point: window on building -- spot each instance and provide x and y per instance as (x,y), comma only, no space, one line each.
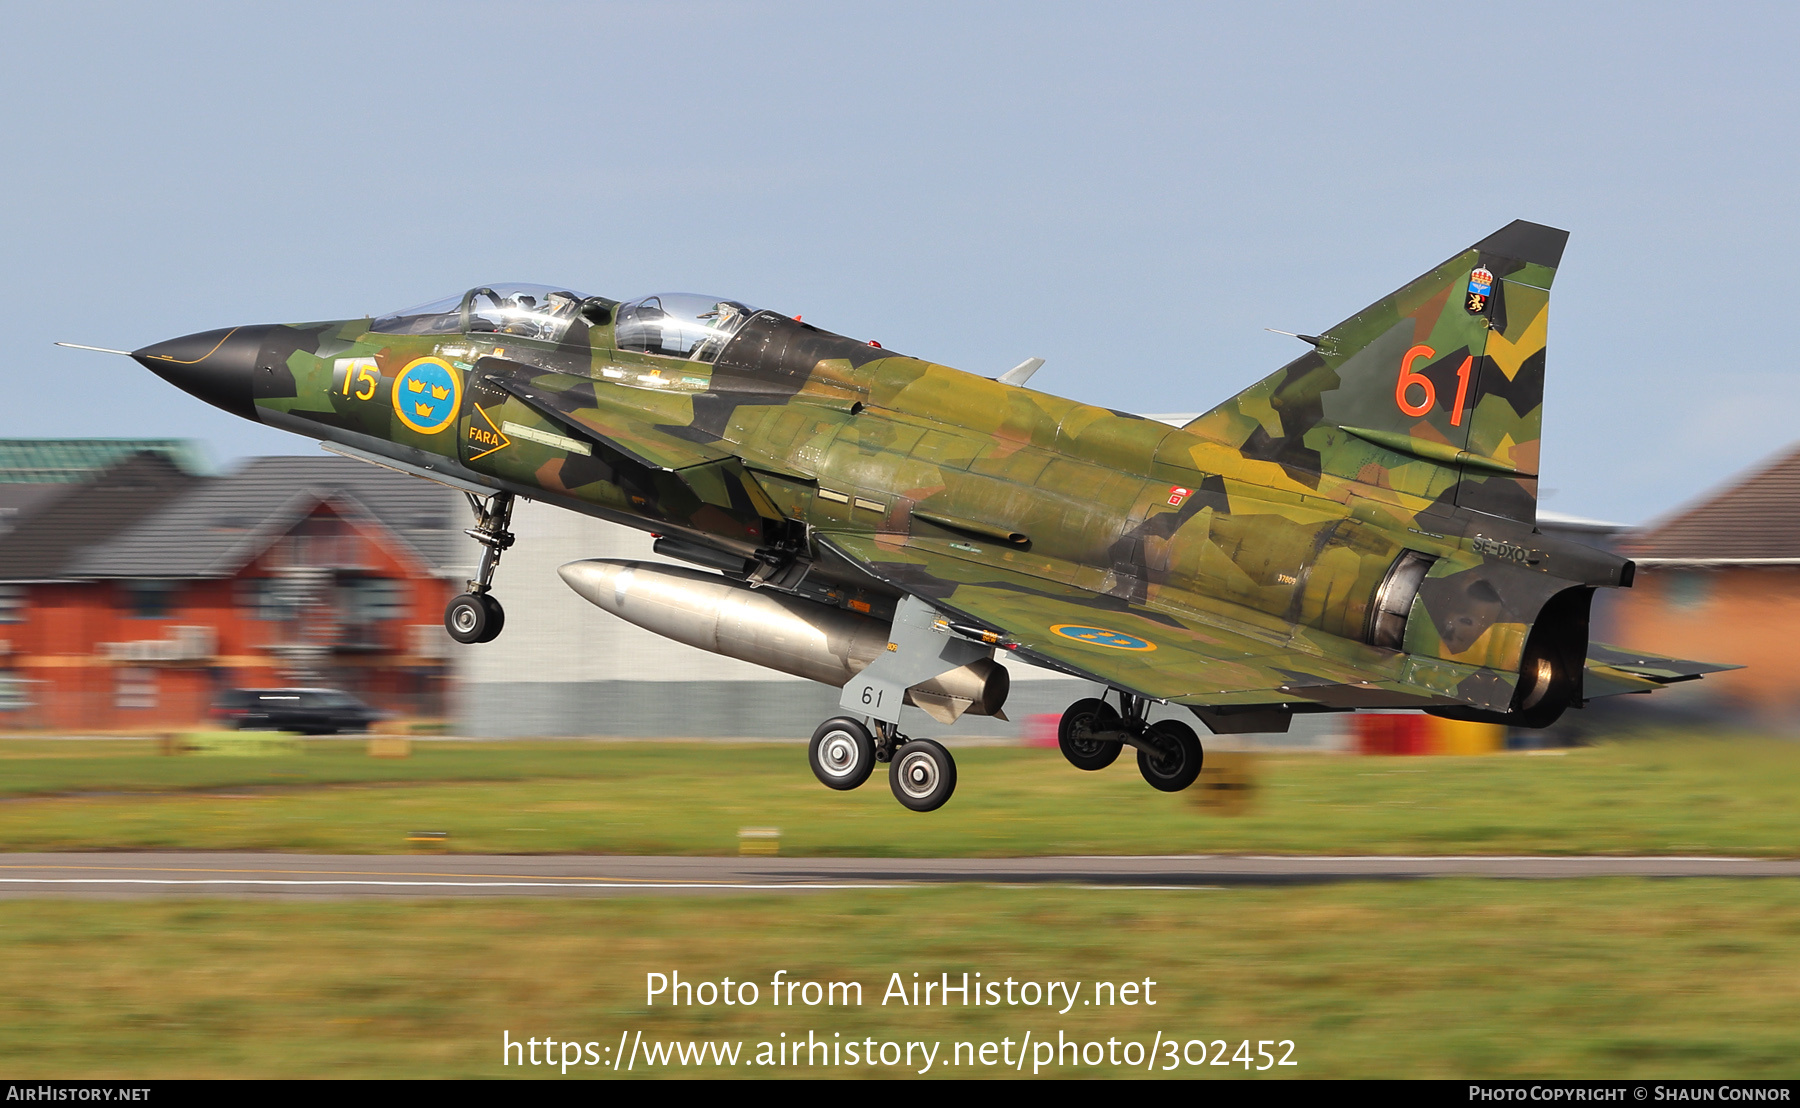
(15,692)
(322,541)
(269,598)
(134,687)
(1689,589)
(372,599)
(12,603)
(151,599)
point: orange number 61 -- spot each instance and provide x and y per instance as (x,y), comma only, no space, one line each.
(1408,379)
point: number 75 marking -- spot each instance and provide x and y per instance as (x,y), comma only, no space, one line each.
(358,377)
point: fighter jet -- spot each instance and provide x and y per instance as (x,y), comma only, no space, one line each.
(1354,531)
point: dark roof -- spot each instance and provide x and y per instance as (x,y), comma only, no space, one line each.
(19,501)
(65,461)
(223,522)
(1756,517)
(49,536)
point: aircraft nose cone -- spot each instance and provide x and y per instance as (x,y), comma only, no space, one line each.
(216,366)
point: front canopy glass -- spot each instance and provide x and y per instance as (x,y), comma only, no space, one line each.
(541,312)
(440,317)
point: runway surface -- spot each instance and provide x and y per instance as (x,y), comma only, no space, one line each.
(450,875)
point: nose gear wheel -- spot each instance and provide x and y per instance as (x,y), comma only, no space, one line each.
(475,616)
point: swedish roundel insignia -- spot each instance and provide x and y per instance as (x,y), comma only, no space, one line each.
(427,394)
(1102,636)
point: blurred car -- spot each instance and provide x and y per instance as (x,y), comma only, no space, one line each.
(308,711)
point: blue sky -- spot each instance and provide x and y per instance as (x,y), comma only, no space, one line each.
(1131,191)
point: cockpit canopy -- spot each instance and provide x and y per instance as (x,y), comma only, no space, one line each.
(679,325)
(672,324)
(541,312)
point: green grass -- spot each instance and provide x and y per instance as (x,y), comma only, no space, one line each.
(1612,978)
(1673,795)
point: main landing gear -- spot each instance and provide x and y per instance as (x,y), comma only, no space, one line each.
(1092,732)
(921,645)
(475,616)
(921,773)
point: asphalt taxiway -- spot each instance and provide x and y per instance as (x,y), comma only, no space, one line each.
(462,875)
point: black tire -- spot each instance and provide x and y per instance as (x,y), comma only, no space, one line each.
(1178,766)
(474,618)
(842,753)
(922,775)
(1073,734)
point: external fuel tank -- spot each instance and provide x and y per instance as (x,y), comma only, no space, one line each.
(767,628)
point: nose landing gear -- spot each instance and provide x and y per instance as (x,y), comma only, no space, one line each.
(475,616)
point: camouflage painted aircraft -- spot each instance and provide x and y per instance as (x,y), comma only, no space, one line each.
(1356,530)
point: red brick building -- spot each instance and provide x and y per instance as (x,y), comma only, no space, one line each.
(131,598)
(1719,580)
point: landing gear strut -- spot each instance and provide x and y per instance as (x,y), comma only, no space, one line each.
(922,645)
(475,616)
(1092,733)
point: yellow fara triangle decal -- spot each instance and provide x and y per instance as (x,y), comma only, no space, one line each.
(499,435)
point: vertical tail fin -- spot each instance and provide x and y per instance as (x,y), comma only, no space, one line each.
(1436,389)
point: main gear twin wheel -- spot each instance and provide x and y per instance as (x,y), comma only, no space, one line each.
(922,775)
(1176,765)
(1075,734)
(842,753)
